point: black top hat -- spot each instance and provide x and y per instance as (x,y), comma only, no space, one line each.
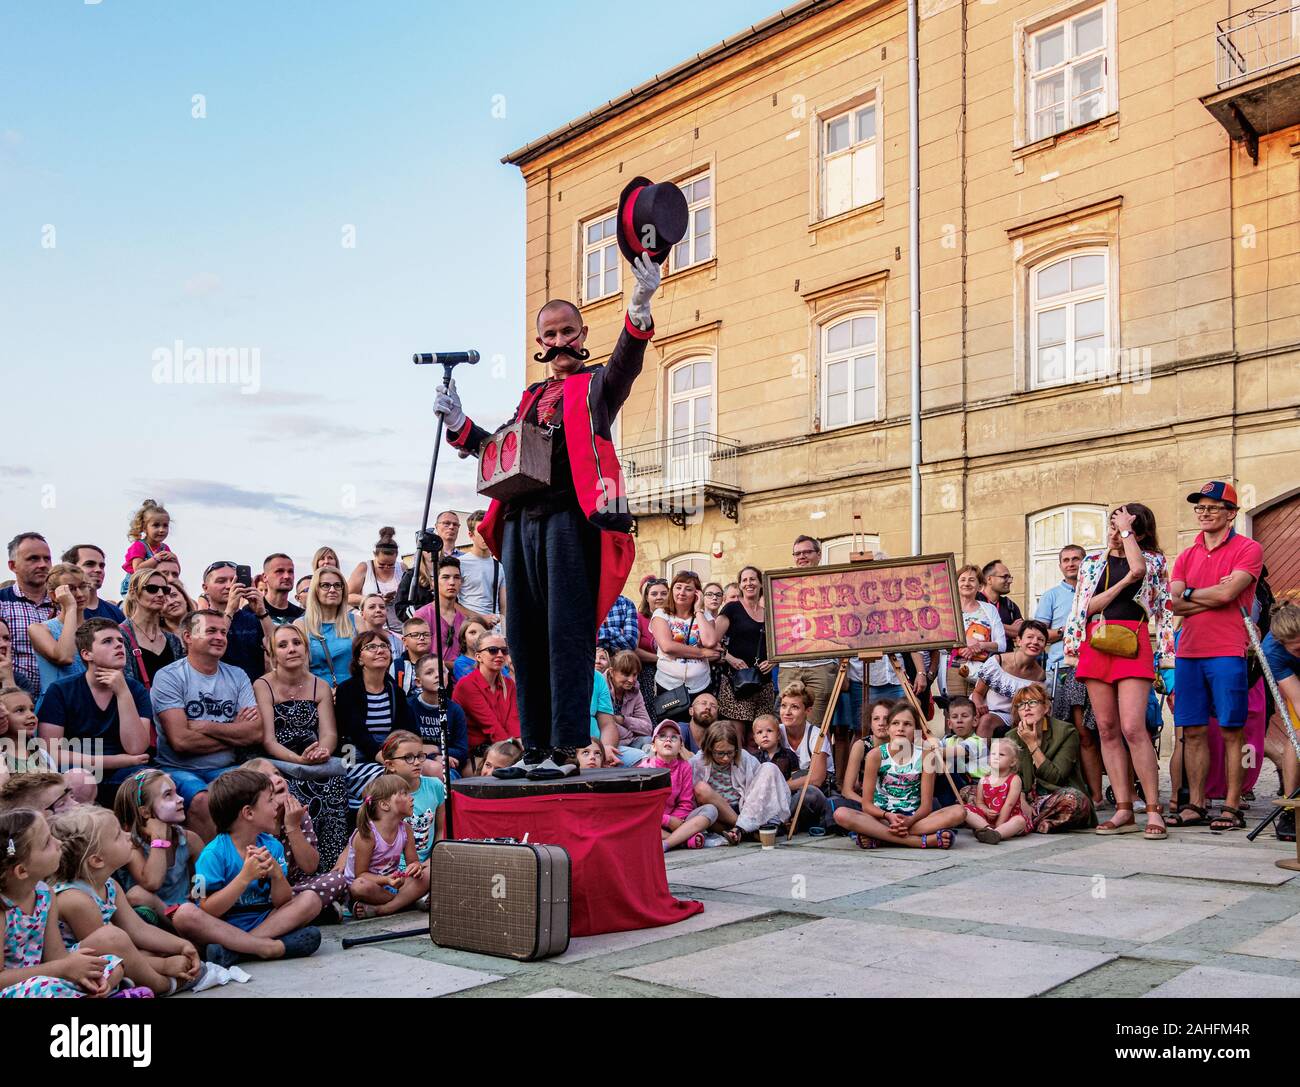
(651,219)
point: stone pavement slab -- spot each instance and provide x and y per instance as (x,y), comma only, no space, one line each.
(359,971)
(806,874)
(1214,981)
(1198,859)
(562,994)
(715,914)
(842,957)
(1130,909)
(1280,941)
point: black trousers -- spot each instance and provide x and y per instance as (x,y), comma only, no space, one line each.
(551,564)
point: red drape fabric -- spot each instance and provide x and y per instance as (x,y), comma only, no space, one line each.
(616,853)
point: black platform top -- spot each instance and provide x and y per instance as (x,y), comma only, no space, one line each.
(629,780)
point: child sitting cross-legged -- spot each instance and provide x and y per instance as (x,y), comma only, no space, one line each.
(401,755)
(684,821)
(242,874)
(383,869)
(993,807)
(877,733)
(94,846)
(36,962)
(297,836)
(157,876)
(898,792)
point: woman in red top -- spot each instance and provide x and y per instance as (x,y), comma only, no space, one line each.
(488,698)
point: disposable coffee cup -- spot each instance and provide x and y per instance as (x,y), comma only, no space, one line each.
(767,836)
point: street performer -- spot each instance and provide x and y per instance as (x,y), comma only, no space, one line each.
(567,549)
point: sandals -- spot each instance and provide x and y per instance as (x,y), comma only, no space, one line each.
(942,839)
(1112,827)
(865,841)
(988,836)
(1228,819)
(1201,818)
(695,841)
(1154,832)
(733,836)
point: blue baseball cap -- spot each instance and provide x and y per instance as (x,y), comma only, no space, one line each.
(1217,490)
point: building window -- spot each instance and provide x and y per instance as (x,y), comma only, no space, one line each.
(1069,71)
(600,259)
(1050,531)
(849,371)
(700,563)
(841,547)
(849,160)
(1069,319)
(697,246)
(690,420)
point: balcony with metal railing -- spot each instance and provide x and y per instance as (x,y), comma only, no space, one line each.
(680,476)
(1257,68)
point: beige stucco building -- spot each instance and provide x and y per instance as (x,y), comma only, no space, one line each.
(1110,278)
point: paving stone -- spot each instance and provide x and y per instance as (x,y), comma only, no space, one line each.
(842,957)
(1203,981)
(1127,909)
(360,971)
(560,993)
(715,914)
(807,874)
(1199,859)
(1281,941)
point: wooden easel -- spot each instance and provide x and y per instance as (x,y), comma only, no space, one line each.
(860,554)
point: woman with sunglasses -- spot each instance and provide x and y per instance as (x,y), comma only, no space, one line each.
(487,695)
(330,625)
(149,644)
(368,706)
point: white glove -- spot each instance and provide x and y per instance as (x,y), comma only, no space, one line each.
(447,404)
(647,282)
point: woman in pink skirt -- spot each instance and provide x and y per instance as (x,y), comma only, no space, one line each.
(1123,589)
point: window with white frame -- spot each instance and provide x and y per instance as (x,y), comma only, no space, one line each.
(1069,69)
(700,563)
(841,547)
(849,160)
(1050,531)
(1069,319)
(690,420)
(697,246)
(600,259)
(849,370)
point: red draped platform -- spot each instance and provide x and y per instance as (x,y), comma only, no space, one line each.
(609,822)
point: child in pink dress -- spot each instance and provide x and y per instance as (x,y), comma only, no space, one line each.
(994,807)
(684,822)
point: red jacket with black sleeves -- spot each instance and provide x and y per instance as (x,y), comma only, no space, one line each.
(591,401)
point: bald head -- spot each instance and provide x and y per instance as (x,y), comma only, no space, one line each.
(561,309)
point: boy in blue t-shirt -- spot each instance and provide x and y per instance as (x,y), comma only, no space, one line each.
(242,875)
(424,708)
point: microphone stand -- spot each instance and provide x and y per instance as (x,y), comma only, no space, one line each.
(429,543)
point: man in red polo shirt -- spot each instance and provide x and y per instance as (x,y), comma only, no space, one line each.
(1212,580)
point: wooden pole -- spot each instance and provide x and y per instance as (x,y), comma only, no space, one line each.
(836,688)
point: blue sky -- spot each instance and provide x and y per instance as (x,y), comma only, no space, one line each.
(128,224)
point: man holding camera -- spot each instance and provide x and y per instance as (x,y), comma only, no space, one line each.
(251,626)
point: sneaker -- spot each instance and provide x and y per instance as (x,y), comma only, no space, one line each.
(565,757)
(550,770)
(712,841)
(301,942)
(1285,826)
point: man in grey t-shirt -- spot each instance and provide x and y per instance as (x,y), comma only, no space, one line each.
(481,574)
(205,711)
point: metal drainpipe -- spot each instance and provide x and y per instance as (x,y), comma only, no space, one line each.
(914,262)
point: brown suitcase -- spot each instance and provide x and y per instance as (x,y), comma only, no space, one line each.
(500,897)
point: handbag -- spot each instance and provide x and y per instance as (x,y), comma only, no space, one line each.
(671,702)
(746,682)
(1111,638)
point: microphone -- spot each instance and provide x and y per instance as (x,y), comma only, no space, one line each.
(445,358)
